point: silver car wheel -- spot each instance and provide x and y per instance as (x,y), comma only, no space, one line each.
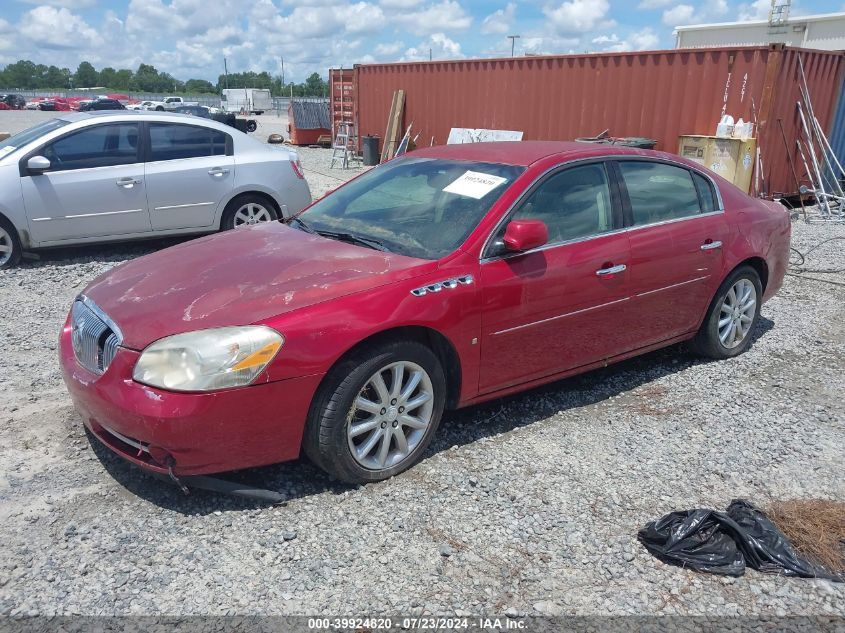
(737,313)
(390,415)
(252,213)
(6,246)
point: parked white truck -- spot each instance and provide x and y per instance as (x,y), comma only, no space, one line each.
(247,100)
(171,103)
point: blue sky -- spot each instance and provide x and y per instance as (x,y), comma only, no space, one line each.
(189,38)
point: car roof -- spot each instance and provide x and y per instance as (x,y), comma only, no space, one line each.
(123,115)
(524,153)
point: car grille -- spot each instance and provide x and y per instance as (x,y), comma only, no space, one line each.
(95,338)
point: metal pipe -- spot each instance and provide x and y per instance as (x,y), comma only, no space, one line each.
(823,203)
(828,155)
(792,167)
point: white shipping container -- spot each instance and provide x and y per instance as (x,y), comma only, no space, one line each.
(249,100)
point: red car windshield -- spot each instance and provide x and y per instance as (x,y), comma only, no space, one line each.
(420,207)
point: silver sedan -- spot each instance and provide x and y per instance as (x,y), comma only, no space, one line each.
(123,175)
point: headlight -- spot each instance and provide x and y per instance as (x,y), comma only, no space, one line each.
(208,359)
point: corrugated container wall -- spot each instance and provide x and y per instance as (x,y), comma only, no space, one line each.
(661,95)
(837,129)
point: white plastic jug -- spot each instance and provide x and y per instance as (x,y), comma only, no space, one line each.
(725,127)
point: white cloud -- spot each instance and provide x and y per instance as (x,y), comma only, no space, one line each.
(758,10)
(53,28)
(438,45)
(399,4)
(499,21)
(389,49)
(447,15)
(577,16)
(683,14)
(655,4)
(637,41)
(678,15)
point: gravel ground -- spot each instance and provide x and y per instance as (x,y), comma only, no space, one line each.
(526,505)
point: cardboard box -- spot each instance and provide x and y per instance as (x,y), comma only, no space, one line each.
(731,158)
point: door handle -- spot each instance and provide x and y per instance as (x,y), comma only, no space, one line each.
(709,246)
(601,272)
(127,183)
(218,171)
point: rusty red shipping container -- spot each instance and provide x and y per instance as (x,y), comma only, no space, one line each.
(658,94)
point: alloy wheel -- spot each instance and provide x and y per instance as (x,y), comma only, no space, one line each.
(390,415)
(252,213)
(6,246)
(737,313)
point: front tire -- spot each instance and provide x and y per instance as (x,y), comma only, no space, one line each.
(10,245)
(376,412)
(732,316)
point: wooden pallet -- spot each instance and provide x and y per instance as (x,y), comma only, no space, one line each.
(394,126)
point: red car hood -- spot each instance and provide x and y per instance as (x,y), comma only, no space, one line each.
(236,278)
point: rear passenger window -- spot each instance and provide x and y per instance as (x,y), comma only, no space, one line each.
(573,203)
(659,192)
(174,141)
(705,193)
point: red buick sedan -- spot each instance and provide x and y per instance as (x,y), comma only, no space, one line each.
(441,279)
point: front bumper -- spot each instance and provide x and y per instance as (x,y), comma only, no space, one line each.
(196,433)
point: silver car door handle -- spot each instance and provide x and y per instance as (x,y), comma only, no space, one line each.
(127,182)
(709,246)
(218,171)
(601,272)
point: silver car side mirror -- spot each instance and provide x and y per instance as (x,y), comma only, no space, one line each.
(38,164)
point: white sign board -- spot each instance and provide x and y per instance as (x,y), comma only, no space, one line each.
(474,184)
(458,135)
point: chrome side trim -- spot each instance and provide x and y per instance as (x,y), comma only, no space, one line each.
(86,215)
(682,283)
(184,206)
(559,316)
(126,440)
(449,284)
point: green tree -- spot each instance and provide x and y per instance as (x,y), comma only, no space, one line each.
(123,79)
(199,86)
(86,76)
(108,77)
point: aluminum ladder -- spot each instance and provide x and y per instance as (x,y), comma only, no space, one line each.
(342,149)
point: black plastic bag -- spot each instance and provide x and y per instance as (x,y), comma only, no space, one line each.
(724,543)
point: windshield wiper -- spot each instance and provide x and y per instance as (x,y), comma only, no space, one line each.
(354,239)
(302,225)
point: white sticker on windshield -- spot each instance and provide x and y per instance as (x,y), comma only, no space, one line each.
(474,184)
(6,150)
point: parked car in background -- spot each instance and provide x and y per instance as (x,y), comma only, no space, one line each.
(54,104)
(3,106)
(144,105)
(14,101)
(117,176)
(441,279)
(102,104)
(171,103)
(244,125)
(32,104)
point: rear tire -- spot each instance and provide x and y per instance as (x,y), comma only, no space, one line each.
(248,209)
(731,317)
(361,429)
(10,245)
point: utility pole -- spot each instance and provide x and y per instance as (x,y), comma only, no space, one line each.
(513,39)
(429,54)
(226,73)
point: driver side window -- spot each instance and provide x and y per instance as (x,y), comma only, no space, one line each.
(573,203)
(97,146)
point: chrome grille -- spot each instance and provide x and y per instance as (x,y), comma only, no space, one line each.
(95,338)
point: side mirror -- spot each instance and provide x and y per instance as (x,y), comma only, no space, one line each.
(38,164)
(523,235)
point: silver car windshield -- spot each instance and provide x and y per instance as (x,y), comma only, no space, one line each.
(27,136)
(420,207)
